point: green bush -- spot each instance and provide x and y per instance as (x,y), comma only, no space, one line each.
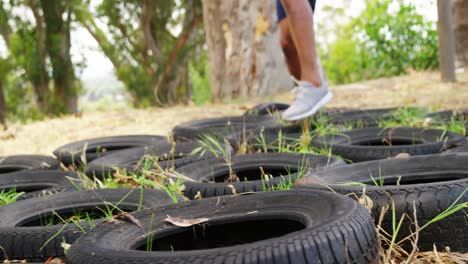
(382,41)
(200,79)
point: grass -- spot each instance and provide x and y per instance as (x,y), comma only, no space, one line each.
(9,196)
(394,253)
(107,213)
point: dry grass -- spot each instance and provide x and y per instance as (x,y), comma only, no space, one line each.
(417,89)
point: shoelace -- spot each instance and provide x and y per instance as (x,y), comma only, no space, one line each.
(297,88)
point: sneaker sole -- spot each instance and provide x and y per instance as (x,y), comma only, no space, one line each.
(327,98)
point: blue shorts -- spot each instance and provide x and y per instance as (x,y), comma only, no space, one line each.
(282,12)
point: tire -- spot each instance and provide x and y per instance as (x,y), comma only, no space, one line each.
(39,183)
(266,138)
(275,227)
(448,115)
(10,164)
(220,127)
(360,118)
(209,175)
(71,154)
(130,160)
(266,109)
(22,237)
(371,143)
(461,147)
(432,182)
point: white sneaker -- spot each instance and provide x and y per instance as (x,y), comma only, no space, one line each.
(308,101)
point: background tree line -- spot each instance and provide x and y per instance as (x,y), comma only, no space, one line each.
(160,50)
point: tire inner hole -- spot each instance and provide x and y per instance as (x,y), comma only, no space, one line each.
(9,169)
(387,142)
(254,174)
(200,237)
(417,179)
(102,149)
(74,215)
(28,189)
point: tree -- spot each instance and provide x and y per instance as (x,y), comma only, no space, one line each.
(243,47)
(57,19)
(381,42)
(5,31)
(149,56)
(460,10)
(3,107)
(38,50)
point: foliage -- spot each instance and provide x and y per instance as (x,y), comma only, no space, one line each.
(386,39)
(200,82)
(149,56)
(9,196)
(40,78)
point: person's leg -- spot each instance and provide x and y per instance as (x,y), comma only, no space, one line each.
(296,23)
(299,17)
(289,49)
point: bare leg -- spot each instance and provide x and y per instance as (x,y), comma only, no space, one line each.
(289,49)
(301,25)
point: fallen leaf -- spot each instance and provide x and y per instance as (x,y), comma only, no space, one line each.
(177,221)
(402,156)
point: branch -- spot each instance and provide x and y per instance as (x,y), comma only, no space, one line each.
(147,32)
(86,20)
(180,43)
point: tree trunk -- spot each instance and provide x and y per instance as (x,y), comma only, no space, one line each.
(41,80)
(58,47)
(243,45)
(3,108)
(460,19)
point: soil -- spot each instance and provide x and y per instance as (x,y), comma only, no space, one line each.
(415,89)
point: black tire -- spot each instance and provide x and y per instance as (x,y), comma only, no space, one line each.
(374,143)
(267,138)
(71,154)
(209,175)
(167,156)
(432,182)
(10,164)
(448,115)
(279,227)
(360,118)
(265,109)
(22,237)
(461,147)
(39,183)
(220,127)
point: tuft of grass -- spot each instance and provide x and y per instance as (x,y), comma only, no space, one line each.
(9,196)
(212,145)
(286,182)
(405,116)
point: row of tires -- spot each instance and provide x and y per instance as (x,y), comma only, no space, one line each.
(422,187)
(300,226)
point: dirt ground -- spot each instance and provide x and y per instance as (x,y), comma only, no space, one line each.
(415,89)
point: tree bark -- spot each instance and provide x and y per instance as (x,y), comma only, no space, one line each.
(41,82)
(3,108)
(243,45)
(460,19)
(58,48)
